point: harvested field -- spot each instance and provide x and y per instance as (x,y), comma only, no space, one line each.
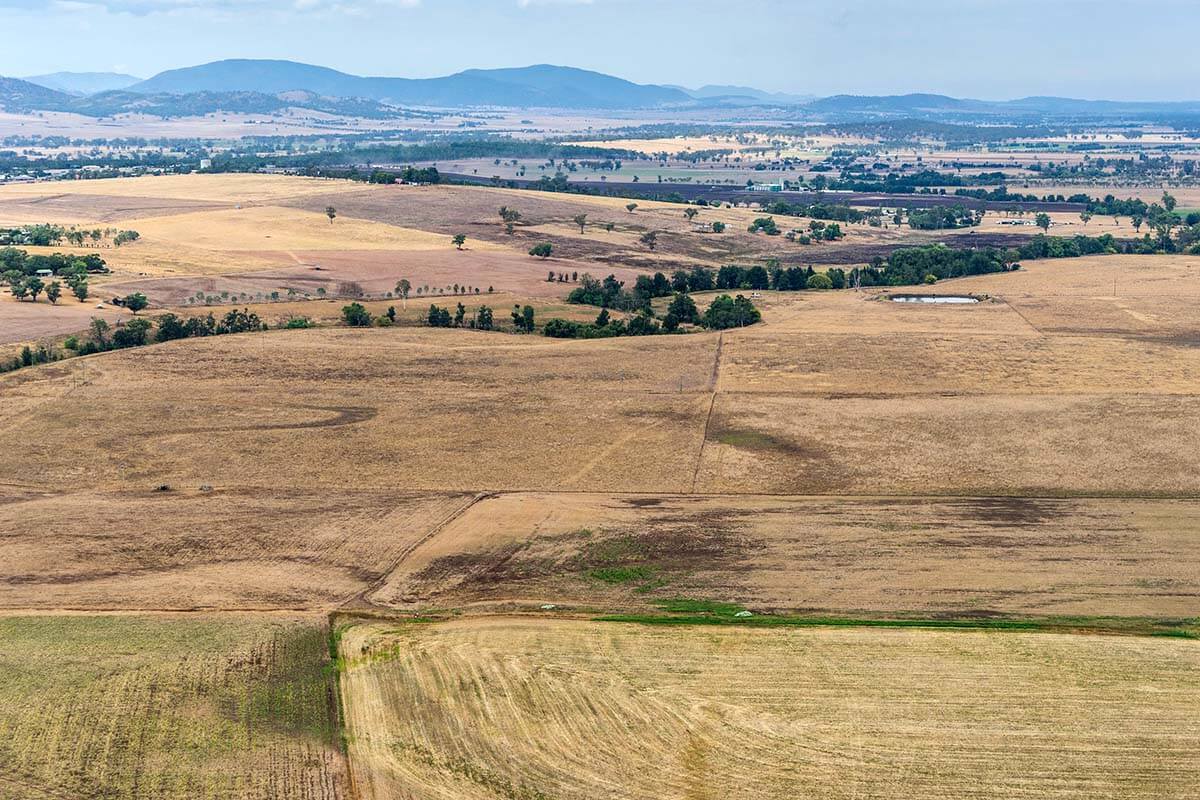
(190,549)
(538,708)
(880,556)
(129,706)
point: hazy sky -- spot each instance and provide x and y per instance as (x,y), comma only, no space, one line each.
(977,48)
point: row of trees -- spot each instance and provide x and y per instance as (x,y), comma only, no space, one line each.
(16,260)
(724,312)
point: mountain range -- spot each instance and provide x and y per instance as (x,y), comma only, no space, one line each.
(537,86)
(266,86)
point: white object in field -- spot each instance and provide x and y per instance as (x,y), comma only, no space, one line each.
(744,614)
(548,606)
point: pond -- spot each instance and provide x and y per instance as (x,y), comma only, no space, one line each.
(941,299)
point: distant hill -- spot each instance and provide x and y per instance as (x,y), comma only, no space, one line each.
(715,92)
(84,83)
(18,95)
(540,85)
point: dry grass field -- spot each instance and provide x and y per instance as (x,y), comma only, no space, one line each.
(180,522)
(923,556)
(521,708)
(121,707)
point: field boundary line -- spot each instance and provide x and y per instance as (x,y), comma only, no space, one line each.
(407,551)
(713,379)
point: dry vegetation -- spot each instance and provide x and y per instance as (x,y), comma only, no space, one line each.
(892,556)
(1028,459)
(117,707)
(501,708)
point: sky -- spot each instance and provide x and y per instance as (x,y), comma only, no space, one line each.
(988,49)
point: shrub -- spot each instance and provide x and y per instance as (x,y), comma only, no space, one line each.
(356,316)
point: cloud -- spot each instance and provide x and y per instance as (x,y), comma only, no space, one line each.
(530,3)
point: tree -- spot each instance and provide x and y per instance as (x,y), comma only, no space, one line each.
(438,317)
(819,281)
(459,240)
(602,318)
(718,227)
(459,314)
(690,213)
(608,226)
(53,292)
(99,330)
(1086,216)
(727,312)
(630,207)
(1168,202)
(34,286)
(330,212)
(510,216)
(580,220)
(356,316)
(1042,220)
(650,239)
(1137,220)
(403,287)
(484,318)
(542,250)
(683,308)
(79,288)
(19,289)
(523,318)
(135,302)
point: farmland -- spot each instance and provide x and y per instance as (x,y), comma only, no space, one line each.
(860,549)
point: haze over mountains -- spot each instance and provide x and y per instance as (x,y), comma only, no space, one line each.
(266,86)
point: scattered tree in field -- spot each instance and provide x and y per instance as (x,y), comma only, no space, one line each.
(1086,216)
(631,207)
(542,250)
(718,227)
(608,226)
(484,319)
(79,288)
(53,292)
(509,216)
(690,213)
(330,212)
(135,302)
(602,318)
(1168,202)
(650,239)
(1042,220)
(1137,220)
(438,317)
(580,220)
(19,289)
(356,316)
(459,240)
(459,314)
(34,287)
(391,313)
(403,287)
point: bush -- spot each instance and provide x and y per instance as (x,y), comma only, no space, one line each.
(356,316)
(727,312)
(295,323)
